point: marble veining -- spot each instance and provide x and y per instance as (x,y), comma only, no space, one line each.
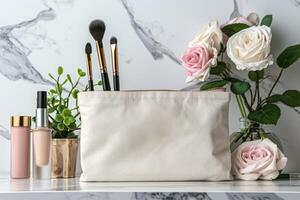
(58,2)
(157,49)
(235,13)
(202,196)
(296,2)
(4,132)
(14,61)
(170,195)
(252,196)
(87,195)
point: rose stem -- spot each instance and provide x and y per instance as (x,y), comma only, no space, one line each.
(275,83)
(241,106)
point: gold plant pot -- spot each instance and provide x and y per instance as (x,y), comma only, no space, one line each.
(63,158)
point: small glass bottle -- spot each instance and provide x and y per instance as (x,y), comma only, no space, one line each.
(20,147)
(41,137)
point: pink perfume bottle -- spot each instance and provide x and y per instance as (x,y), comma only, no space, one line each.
(20,147)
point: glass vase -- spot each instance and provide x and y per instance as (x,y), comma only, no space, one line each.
(250,131)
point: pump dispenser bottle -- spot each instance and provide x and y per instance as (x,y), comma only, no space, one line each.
(41,137)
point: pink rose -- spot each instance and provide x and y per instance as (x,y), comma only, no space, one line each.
(259,159)
(198,60)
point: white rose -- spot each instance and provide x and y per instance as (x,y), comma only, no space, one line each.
(250,48)
(259,159)
(210,35)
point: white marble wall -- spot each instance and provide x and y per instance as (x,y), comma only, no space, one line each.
(38,35)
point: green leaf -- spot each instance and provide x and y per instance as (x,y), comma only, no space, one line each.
(218,69)
(59,118)
(66,112)
(72,126)
(66,122)
(213,84)
(51,110)
(75,93)
(233,80)
(65,81)
(291,98)
(99,83)
(71,135)
(69,79)
(72,119)
(60,126)
(80,72)
(289,56)
(50,99)
(268,114)
(52,91)
(51,76)
(232,29)
(53,101)
(256,75)
(267,20)
(60,70)
(69,120)
(274,98)
(240,87)
(61,108)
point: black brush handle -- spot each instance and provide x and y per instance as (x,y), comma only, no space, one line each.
(116,83)
(91,85)
(105,81)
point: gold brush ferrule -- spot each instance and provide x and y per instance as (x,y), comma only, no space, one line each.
(101,57)
(114,59)
(89,66)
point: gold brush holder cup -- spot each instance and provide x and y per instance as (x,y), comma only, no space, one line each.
(63,158)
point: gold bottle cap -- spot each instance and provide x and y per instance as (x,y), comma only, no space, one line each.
(20,121)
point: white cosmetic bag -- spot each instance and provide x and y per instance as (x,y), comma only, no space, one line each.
(154,136)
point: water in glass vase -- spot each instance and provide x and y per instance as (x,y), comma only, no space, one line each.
(250,131)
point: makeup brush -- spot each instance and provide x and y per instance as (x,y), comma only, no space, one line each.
(88,51)
(115,62)
(97,30)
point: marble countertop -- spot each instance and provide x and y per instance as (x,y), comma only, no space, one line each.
(8,185)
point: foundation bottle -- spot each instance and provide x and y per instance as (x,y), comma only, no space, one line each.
(41,140)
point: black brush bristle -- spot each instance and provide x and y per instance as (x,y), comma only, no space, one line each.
(97,29)
(113,40)
(88,48)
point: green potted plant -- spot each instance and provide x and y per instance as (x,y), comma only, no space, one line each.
(64,120)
